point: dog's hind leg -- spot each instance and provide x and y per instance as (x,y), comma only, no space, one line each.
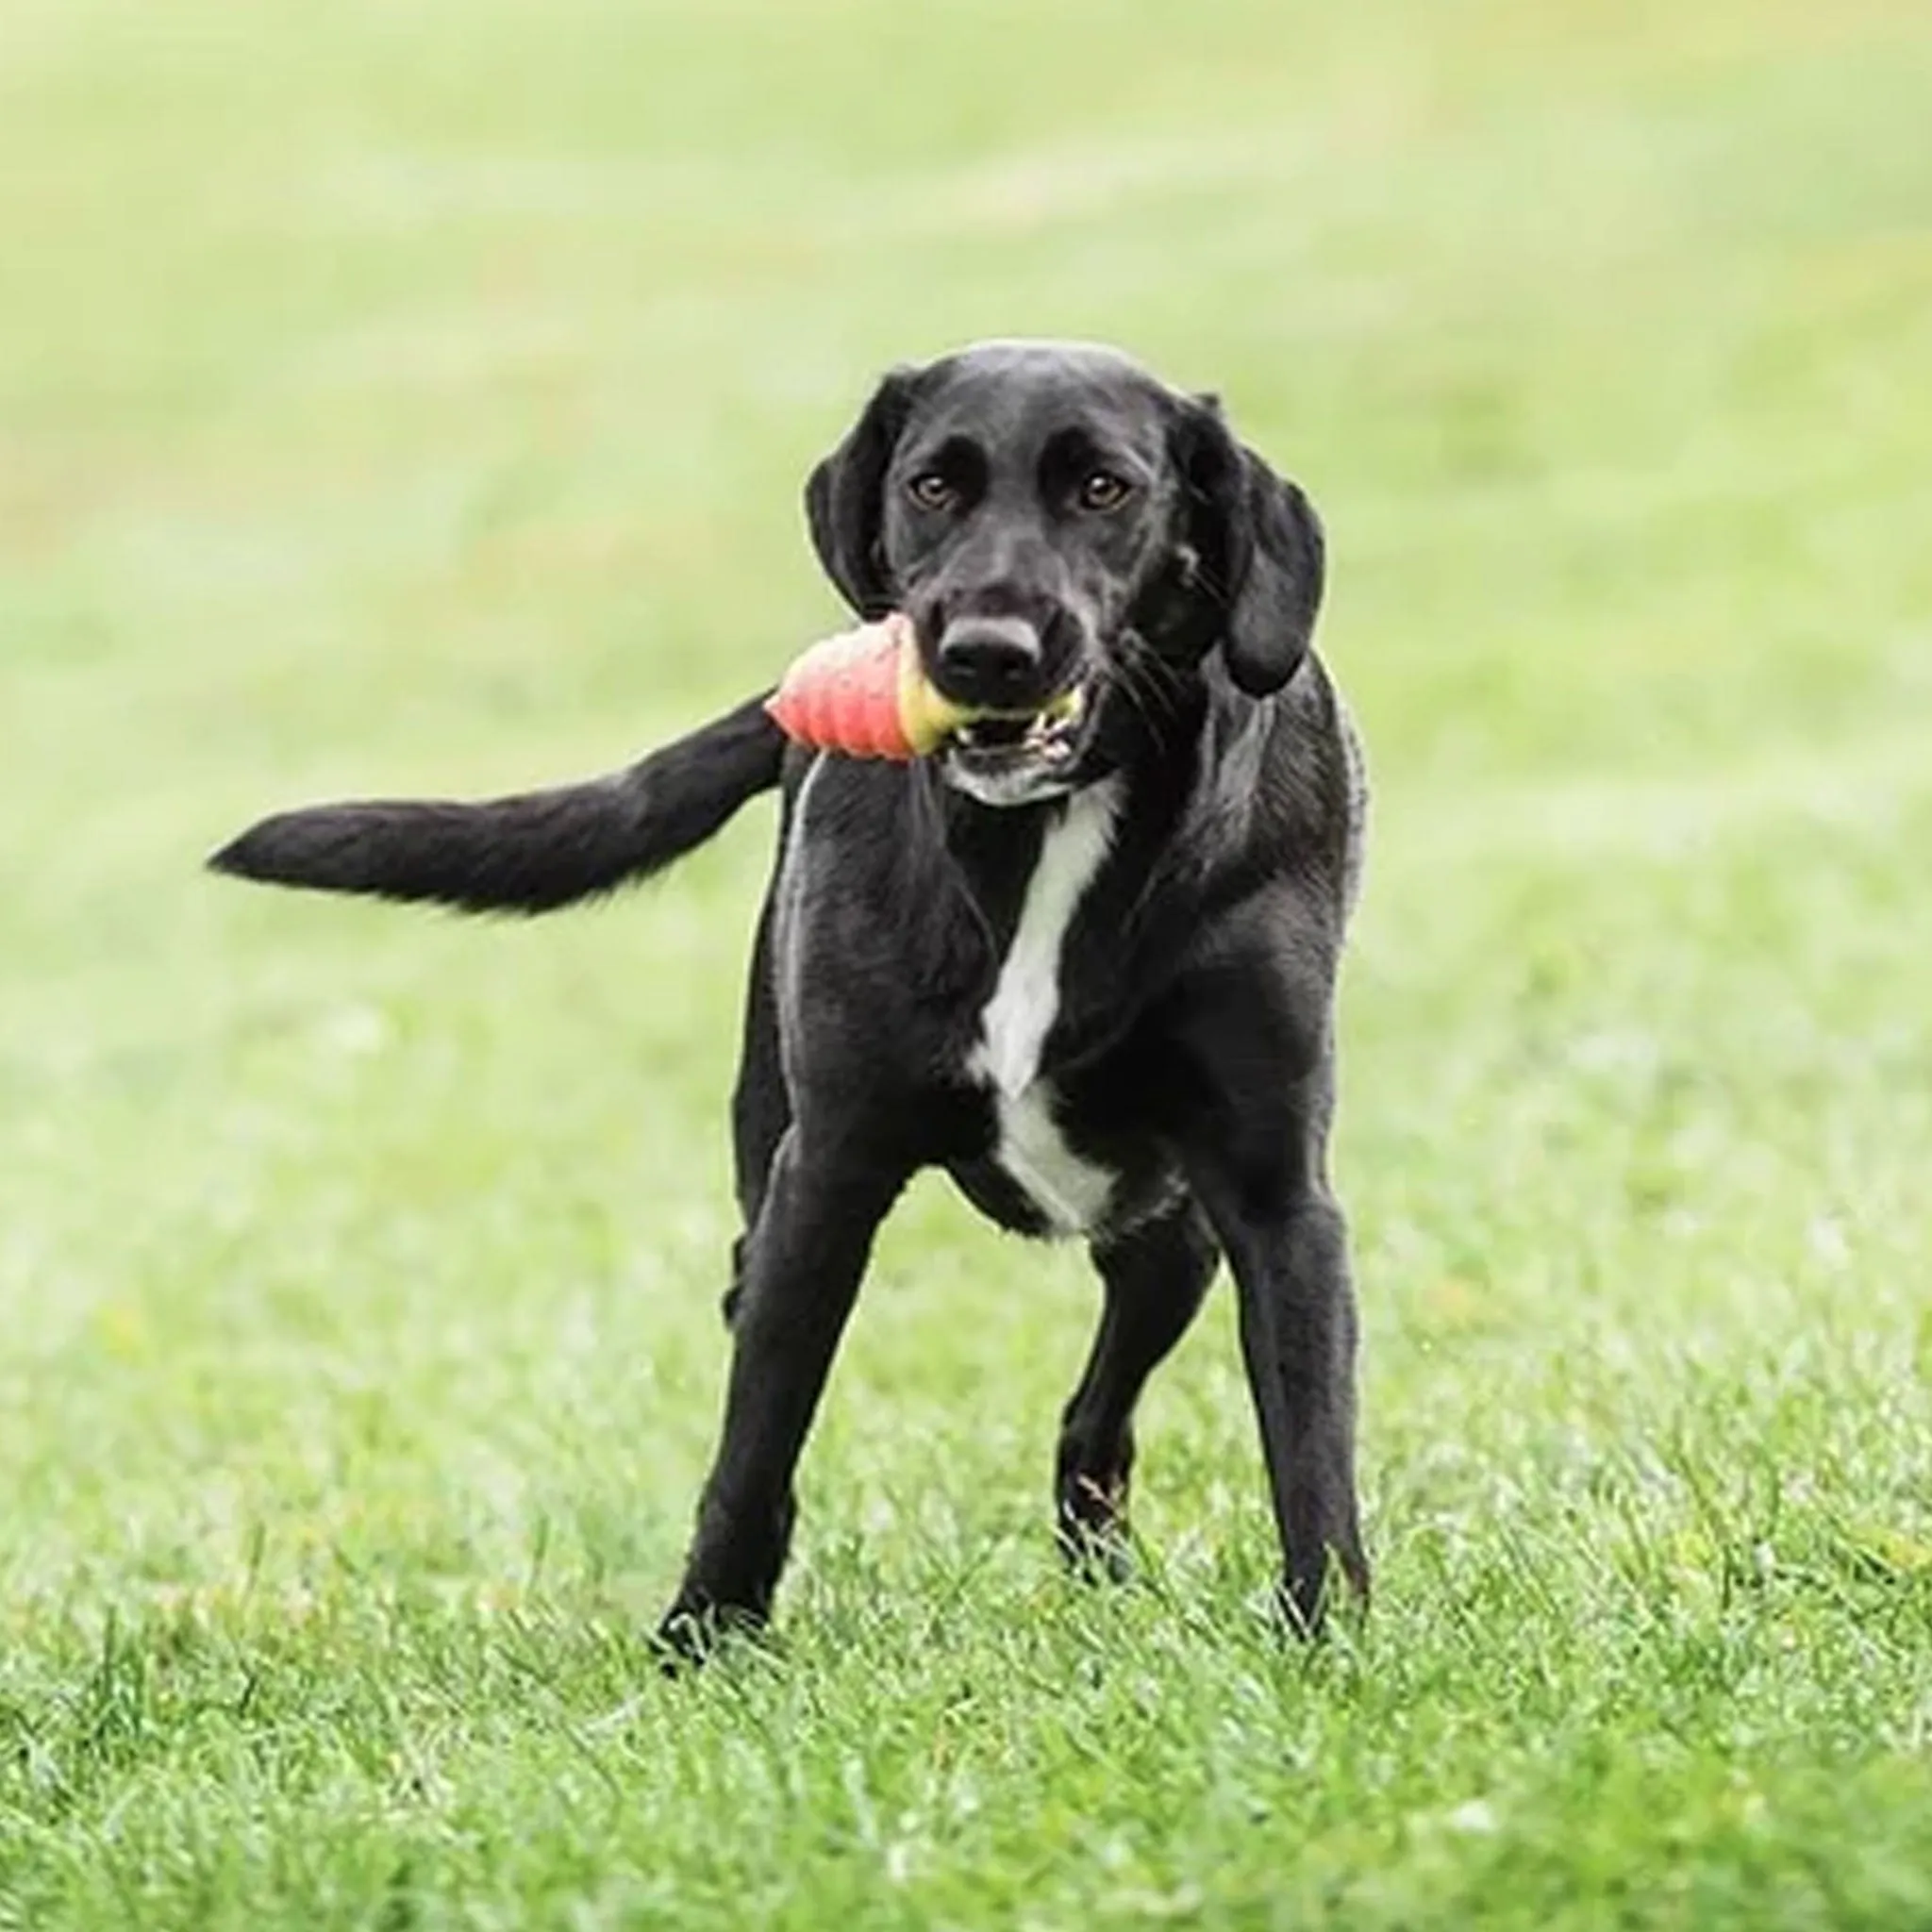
(1154,1279)
(760,1103)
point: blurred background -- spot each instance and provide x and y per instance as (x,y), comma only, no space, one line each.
(416,396)
(405,396)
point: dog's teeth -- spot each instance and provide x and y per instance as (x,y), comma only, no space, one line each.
(1057,717)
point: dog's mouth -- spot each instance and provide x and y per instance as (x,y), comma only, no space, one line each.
(1012,759)
(1050,733)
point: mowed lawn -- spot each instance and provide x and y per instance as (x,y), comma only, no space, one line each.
(400,395)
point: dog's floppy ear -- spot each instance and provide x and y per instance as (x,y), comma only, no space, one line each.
(1261,551)
(843,497)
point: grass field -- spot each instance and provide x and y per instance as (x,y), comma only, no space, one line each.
(405,395)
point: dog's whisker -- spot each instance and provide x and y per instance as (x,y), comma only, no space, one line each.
(1146,684)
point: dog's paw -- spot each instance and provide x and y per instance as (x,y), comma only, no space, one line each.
(1090,1526)
(693,1631)
(1307,1601)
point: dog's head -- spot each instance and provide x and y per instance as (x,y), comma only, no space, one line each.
(1069,537)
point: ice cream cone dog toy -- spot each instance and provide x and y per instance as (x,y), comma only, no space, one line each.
(864,692)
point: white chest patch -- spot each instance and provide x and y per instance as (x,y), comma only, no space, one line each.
(1013,1026)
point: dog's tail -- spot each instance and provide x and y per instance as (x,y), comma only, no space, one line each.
(530,853)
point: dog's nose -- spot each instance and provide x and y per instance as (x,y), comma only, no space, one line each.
(994,662)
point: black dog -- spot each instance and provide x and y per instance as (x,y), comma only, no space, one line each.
(1083,958)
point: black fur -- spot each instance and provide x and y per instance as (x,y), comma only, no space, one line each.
(1269,560)
(1054,517)
(842,501)
(530,853)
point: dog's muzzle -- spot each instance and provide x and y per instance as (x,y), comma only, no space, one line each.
(1006,757)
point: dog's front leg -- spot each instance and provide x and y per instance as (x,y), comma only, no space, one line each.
(1257,1158)
(827,1197)
(1298,1341)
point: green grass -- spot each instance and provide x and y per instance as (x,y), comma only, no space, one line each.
(406,395)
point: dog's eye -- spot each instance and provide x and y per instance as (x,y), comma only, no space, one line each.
(1103,490)
(931,491)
